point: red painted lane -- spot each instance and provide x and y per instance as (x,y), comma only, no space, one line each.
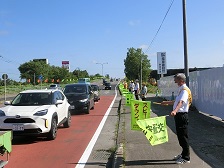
(66,150)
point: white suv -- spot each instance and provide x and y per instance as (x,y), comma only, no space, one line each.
(36,112)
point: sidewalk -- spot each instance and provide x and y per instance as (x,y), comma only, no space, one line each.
(206,141)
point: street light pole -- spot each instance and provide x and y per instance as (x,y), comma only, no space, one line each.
(102,66)
(185,43)
(141,75)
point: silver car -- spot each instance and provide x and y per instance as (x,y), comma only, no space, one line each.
(96,91)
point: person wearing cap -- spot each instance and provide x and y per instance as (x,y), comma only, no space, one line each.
(180,113)
(136,89)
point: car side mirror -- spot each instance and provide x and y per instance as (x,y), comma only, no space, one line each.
(59,102)
(7,102)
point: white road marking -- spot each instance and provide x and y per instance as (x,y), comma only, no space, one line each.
(82,162)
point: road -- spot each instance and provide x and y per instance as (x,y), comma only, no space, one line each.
(66,150)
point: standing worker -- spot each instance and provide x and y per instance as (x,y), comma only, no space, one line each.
(131,87)
(125,85)
(136,89)
(180,113)
(143,92)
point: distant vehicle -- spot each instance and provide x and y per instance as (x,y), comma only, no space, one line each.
(80,96)
(84,80)
(96,91)
(36,112)
(54,86)
(107,86)
(104,81)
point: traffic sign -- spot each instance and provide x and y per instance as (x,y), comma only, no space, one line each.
(4,76)
(40,77)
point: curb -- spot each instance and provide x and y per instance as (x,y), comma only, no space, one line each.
(119,156)
(119,153)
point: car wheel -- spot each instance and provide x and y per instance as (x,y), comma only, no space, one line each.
(88,109)
(67,123)
(53,132)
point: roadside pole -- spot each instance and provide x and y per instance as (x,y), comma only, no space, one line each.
(4,77)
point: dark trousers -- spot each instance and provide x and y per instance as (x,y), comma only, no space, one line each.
(143,99)
(136,95)
(181,122)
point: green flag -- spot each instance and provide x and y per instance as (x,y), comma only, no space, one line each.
(139,110)
(124,92)
(129,97)
(155,129)
(121,86)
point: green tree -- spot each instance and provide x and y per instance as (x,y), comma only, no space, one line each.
(132,63)
(33,69)
(59,73)
(80,73)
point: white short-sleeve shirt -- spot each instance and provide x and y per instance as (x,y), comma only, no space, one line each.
(136,86)
(183,95)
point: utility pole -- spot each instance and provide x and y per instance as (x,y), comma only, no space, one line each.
(186,69)
(102,66)
(141,75)
(34,78)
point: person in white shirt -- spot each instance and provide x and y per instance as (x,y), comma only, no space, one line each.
(131,87)
(136,89)
(143,92)
(180,113)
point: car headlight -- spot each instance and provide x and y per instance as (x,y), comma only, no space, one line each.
(2,113)
(83,100)
(41,113)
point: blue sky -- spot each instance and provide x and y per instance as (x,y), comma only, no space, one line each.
(85,32)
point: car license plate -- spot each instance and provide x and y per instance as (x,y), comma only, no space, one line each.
(72,107)
(18,127)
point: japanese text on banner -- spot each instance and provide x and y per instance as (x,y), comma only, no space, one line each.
(139,110)
(155,129)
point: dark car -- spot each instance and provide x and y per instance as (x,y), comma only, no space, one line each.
(96,91)
(54,86)
(104,81)
(107,86)
(80,96)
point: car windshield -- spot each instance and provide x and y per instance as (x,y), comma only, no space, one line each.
(53,86)
(75,89)
(32,99)
(95,88)
(107,84)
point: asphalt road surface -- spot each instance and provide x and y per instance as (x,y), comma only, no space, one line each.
(67,149)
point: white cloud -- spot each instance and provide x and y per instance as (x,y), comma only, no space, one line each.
(134,22)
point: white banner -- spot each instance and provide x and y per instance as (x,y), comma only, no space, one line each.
(161,63)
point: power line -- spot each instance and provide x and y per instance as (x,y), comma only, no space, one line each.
(159,26)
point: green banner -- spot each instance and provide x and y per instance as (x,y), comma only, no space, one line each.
(125,91)
(155,129)
(139,110)
(129,96)
(121,86)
